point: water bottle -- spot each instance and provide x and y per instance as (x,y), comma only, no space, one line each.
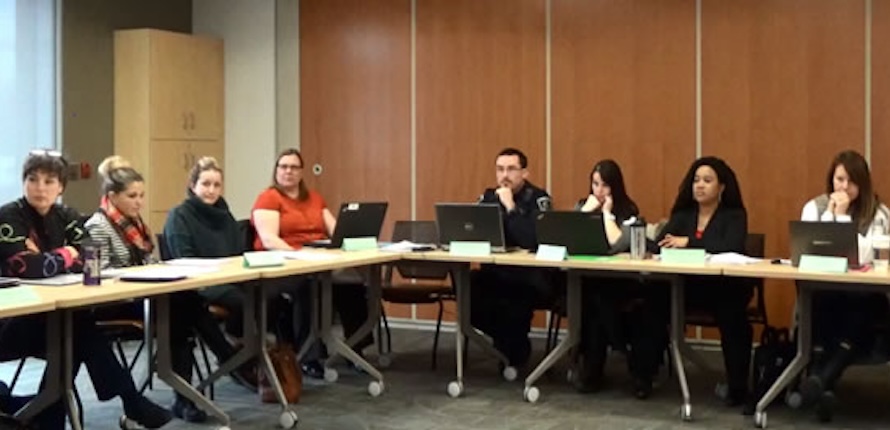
(91,263)
(637,239)
(880,246)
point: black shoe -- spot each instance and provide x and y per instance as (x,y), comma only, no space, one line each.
(811,390)
(146,413)
(185,410)
(589,375)
(737,397)
(313,369)
(642,388)
(825,407)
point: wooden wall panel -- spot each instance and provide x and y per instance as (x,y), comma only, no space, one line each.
(355,102)
(480,88)
(623,87)
(880,139)
(782,93)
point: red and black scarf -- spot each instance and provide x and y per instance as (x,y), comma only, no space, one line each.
(134,232)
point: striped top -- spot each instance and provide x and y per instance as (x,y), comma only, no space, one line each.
(113,251)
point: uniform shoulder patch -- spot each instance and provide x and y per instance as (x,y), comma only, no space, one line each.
(544,203)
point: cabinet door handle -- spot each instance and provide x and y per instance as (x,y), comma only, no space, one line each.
(192,117)
(185,121)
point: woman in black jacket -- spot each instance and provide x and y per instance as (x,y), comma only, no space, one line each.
(617,311)
(709,214)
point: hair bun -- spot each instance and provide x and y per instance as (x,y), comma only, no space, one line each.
(207,162)
(111,164)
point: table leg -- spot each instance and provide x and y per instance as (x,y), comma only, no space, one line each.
(678,341)
(573,314)
(51,390)
(165,364)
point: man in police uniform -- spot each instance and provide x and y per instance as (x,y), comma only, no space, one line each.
(504,297)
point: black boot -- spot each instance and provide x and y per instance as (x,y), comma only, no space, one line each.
(815,386)
(186,410)
(145,412)
(589,378)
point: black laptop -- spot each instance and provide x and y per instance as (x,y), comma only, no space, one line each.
(355,219)
(832,239)
(470,222)
(582,233)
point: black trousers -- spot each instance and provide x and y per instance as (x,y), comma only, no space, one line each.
(726,299)
(847,317)
(230,298)
(291,311)
(503,300)
(26,337)
(629,316)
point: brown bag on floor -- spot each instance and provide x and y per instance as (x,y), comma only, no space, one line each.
(289,375)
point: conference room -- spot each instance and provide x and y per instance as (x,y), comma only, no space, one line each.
(411,103)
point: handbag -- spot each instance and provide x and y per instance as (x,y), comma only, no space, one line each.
(284,359)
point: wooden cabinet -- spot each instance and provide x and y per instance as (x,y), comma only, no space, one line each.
(168,110)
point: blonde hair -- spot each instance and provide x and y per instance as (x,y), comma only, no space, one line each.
(117,174)
(202,165)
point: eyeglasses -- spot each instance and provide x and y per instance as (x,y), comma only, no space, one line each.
(47,152)
(290,167)
(508,169)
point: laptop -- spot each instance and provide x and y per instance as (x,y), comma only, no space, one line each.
(355,219)
(834,239)
(471,222)
(582,233)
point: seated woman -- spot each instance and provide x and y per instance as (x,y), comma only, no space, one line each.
(709,213)
(288,215)
(844,321)
(41,239)
(608,299)
(124,240)
(202,226)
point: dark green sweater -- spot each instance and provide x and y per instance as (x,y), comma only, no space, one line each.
(196,229)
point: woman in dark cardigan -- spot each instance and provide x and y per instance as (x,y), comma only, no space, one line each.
(202,226)
(709,214)
(40,238)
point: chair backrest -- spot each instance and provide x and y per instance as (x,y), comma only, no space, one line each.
(754,245)
(416,231)
(163,247)
(419,232)
(248,233)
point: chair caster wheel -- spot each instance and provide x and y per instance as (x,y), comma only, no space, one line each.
(531,394)
(794,400)
(288,419)
(375,388)
(510,373)
(686,412)
(331,375)
(760,420)
(455,389)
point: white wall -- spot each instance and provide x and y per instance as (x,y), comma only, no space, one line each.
(247,28)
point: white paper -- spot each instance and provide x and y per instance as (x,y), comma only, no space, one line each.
(198,262)
(406,246)
(307,255)
(732,258)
